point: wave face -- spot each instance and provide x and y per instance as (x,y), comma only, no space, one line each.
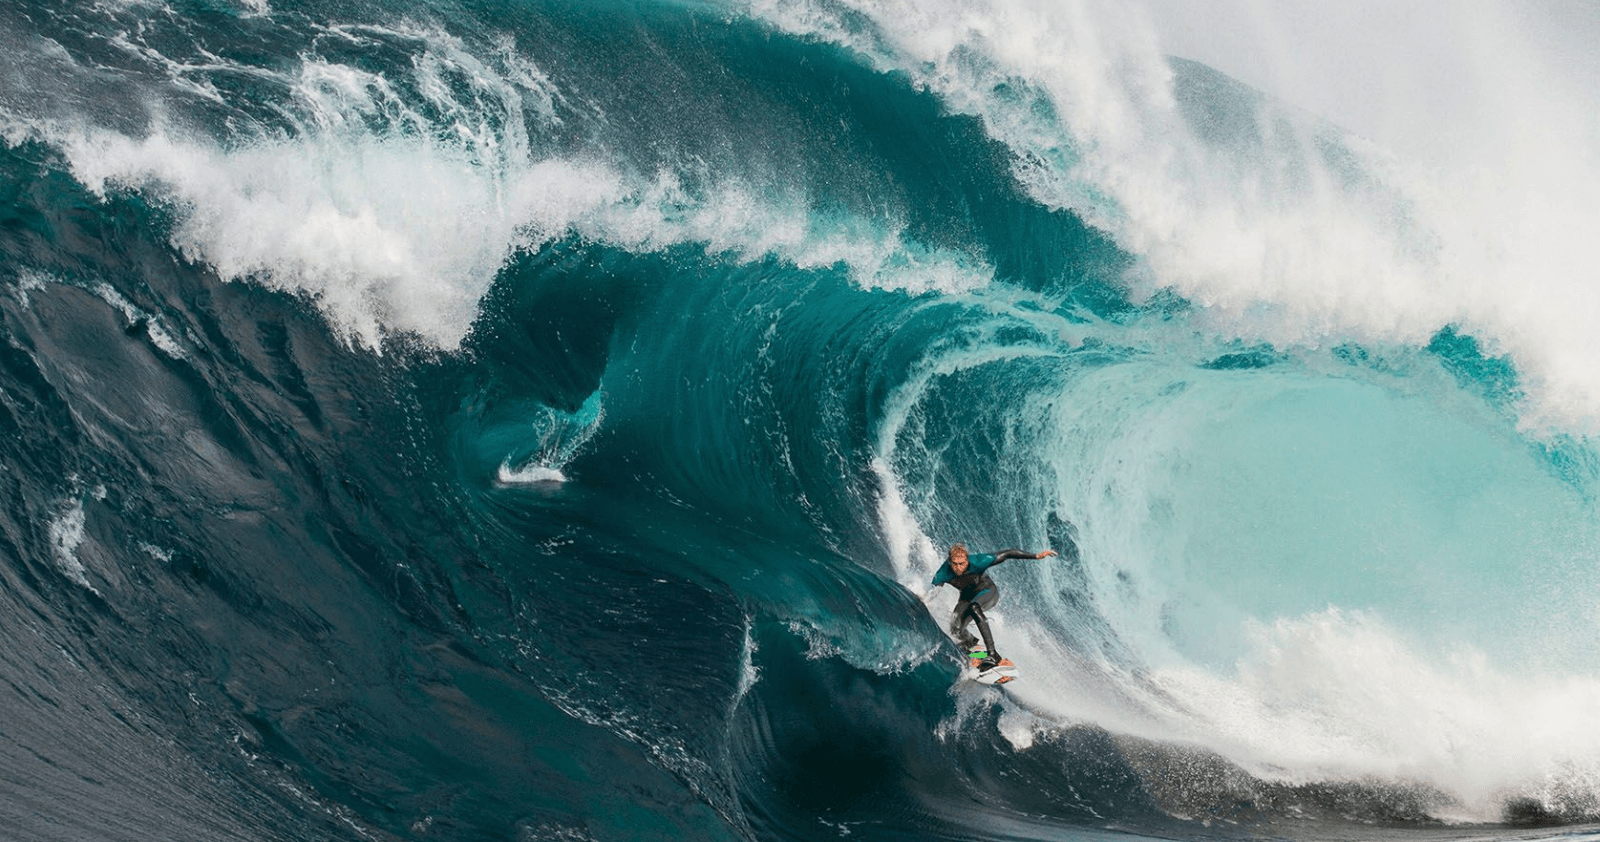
(495,420)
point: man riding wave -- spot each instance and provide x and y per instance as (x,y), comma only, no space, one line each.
(968,574)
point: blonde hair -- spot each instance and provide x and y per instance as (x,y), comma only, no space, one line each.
(953,549)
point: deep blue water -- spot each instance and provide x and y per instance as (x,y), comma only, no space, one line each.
(540,421)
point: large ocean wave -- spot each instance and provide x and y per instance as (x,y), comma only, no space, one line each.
(491,420)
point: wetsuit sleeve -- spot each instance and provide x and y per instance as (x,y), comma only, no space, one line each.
(944,575)
(1005,554)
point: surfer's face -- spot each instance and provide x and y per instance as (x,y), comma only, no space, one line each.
(958,561)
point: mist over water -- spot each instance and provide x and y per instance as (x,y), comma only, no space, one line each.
(484,421)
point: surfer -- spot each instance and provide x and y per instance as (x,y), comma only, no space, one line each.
(968,574)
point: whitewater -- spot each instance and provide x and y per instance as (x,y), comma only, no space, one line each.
(504,420)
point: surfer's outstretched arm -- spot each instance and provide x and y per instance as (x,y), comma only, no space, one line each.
(1007,554)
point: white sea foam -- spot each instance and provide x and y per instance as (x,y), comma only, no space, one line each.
(405,235)
(157,332)
(66,535)
(155,552)
(402,235)
(1336,694)
(1485,234)
(530,475)
(395,214)
(548,439)
(1340,696)
(749,673)
(31,280)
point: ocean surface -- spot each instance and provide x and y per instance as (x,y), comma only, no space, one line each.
(480,420)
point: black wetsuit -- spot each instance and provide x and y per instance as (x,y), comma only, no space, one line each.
(979,593)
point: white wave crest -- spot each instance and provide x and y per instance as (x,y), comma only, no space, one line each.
(394,202)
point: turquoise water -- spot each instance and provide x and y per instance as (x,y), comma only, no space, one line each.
(519,421)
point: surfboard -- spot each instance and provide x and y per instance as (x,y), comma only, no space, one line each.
(1001,674)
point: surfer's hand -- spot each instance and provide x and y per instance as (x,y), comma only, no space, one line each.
(1046,554)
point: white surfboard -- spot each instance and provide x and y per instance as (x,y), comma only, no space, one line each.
(998,675)
(1001,674)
